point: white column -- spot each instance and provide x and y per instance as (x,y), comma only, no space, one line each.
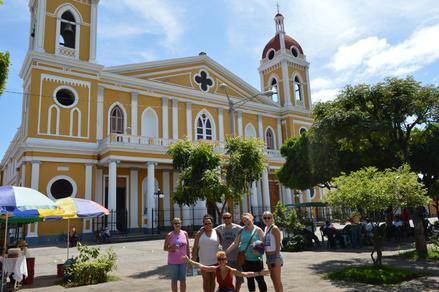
(300,197)
(166,199)
(88,181)
(279,133)
(32,229)
(177,212)
(100,114)
(286,83)
(260,127)
(165,120)
(134,110)
(23,174)
(93,29)
(150,191)
(99,182)
(240,124)
(254,196)
(86,223)
(265,188)
(189,121)
(259,189)
(308,195)
(41,20)
(221,124)
(288,196)
(308,88)
(261,78)
(112,183)
(175,119)
(134,198)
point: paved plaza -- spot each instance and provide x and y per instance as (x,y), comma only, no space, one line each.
(141,266)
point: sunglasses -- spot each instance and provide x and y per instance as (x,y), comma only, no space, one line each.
(207,223)
(267,218)
(177,223)
(227,217)
(222,259)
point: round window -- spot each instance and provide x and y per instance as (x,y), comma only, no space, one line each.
(65,97)
(270,54)
(61,188)
(294,52)
(302,131)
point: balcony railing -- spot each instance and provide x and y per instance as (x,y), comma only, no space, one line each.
(162,144)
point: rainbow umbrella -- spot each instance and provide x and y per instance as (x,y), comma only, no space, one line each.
(24,205)
(79,208)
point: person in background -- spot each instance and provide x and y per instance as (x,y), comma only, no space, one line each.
(73,237)
(272,242)
(228,231)
(177,246)
(253,260)
(224,273)
(206,245)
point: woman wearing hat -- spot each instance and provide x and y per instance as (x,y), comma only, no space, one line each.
(253,258)
(272,243)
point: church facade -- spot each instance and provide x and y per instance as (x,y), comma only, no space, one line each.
(101,133)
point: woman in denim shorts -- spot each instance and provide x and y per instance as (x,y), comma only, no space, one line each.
(177,246)
(272,241)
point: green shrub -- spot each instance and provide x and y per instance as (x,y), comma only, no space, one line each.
(288,221)
(373,275)
(89,267)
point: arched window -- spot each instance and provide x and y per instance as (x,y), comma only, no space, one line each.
(250,131)
(302,131)
(269,138)
(275,89)
(204,128)
(116,120)
(298,92)
(67,30)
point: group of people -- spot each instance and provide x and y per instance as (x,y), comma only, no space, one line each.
(241,255)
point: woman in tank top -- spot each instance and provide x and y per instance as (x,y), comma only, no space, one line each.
(206,245)
(224,273)
(177,246)
(272,242)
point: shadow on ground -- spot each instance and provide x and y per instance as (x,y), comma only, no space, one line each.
(430,282)
(161,271)
(43,281)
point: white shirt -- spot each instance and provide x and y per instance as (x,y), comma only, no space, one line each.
(269,240)
(207,248)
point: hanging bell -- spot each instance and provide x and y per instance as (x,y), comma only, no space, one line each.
(68,29)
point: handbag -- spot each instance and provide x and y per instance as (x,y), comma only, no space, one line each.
(241,254)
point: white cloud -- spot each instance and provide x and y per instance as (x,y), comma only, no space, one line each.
(420,49)
(352,56)
(320,83)
(324,95)
(156,17)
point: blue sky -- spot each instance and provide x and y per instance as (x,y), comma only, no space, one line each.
(346,41)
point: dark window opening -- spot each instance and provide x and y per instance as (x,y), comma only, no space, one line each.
(61,188)
(294,52)
(65,97)
(116,120)
(271,55)
(68,30)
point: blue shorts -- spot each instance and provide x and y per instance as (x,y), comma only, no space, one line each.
(273,260)
(178,272)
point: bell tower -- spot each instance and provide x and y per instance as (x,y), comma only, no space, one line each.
(284,69)
(64,28)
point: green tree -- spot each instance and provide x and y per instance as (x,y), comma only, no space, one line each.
(425,159)
(371,190)
(367,125)
(4,68)
(206,175)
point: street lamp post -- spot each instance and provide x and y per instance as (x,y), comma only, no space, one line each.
(159,195)
(233,105)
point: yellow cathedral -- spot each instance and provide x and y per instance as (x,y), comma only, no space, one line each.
(101,133)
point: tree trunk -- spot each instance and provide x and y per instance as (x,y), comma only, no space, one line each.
(420,241)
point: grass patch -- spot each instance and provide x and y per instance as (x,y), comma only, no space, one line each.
(373,275)
(433,254)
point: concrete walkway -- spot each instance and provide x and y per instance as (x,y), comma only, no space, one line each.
(142,266)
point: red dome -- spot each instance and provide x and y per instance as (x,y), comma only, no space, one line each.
(274,43)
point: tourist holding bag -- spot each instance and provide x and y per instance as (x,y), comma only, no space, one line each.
(252,257)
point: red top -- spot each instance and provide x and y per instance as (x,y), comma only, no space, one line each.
(227,282)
